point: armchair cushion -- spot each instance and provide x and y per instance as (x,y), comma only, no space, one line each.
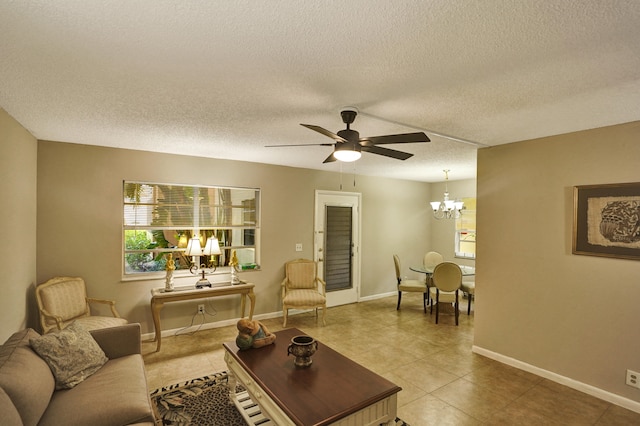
(72,354)
(303,298)
(96,323)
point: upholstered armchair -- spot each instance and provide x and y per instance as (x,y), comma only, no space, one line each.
(63,300)
(302,288)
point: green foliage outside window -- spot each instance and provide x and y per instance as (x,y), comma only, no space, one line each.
(141,262)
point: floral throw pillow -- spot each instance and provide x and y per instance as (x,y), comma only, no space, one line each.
(72,354)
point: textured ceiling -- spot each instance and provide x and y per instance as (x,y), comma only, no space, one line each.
(224,78)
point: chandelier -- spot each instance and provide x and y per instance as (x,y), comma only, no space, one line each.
(446,209)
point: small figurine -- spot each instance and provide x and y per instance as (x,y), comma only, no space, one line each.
(171,265)
(233,263)
(253,334)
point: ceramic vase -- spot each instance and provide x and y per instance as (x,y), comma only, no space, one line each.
(302,347)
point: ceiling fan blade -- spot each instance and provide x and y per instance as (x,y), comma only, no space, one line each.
(324,132)
(398,155)
(400,138)
(303,144)
(329,159)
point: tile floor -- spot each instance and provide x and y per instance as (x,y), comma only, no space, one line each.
(443,382)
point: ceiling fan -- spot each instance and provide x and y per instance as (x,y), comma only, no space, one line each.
(348,143)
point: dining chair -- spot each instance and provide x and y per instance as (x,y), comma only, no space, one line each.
(469,287)
(447,279)
(431,259)
(413,286)
(63,300)
(302,288)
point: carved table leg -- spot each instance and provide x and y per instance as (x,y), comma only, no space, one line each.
(231,383)
(155,313)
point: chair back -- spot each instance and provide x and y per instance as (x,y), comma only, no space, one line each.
(432,258)
(396,261)
(301,274)
(447,276)
(65,297)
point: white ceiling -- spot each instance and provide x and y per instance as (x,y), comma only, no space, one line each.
(224,78)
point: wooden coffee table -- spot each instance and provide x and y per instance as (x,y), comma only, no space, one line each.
(334,390)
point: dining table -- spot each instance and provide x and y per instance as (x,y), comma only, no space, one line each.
(466,270)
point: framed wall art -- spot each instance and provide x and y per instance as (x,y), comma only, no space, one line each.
(606,220)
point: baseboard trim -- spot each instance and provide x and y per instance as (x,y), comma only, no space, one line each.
(222,323)
(233,321)
(554,377)
(210,325)
(377,296)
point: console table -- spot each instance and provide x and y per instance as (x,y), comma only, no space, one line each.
(159,297)
(333,390)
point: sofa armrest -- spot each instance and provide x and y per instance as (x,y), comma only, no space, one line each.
(119,341)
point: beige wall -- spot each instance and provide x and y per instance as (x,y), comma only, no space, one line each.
(539,306)
(18,163)
(80,223)
(573,316)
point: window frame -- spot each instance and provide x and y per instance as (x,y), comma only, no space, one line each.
(190,226)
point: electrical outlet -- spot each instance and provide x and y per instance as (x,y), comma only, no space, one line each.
(633,379)
(201,309)
(299,247)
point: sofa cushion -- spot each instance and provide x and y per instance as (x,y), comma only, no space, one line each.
(10,415)
(116,394)
(25,377)
(72,354)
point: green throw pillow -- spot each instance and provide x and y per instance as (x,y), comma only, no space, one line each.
(72,354)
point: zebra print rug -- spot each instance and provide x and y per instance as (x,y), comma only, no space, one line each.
(203,401)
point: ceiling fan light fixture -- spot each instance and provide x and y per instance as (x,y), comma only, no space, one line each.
(348,145)
(347,152)
(347,156)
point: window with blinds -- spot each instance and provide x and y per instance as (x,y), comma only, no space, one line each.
(465,238)
(161,218)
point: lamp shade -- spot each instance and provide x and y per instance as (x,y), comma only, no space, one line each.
(212,247)
(193,248)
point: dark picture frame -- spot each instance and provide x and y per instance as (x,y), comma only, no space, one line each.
(606,220)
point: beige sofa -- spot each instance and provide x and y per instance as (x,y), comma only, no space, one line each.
(116,394)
